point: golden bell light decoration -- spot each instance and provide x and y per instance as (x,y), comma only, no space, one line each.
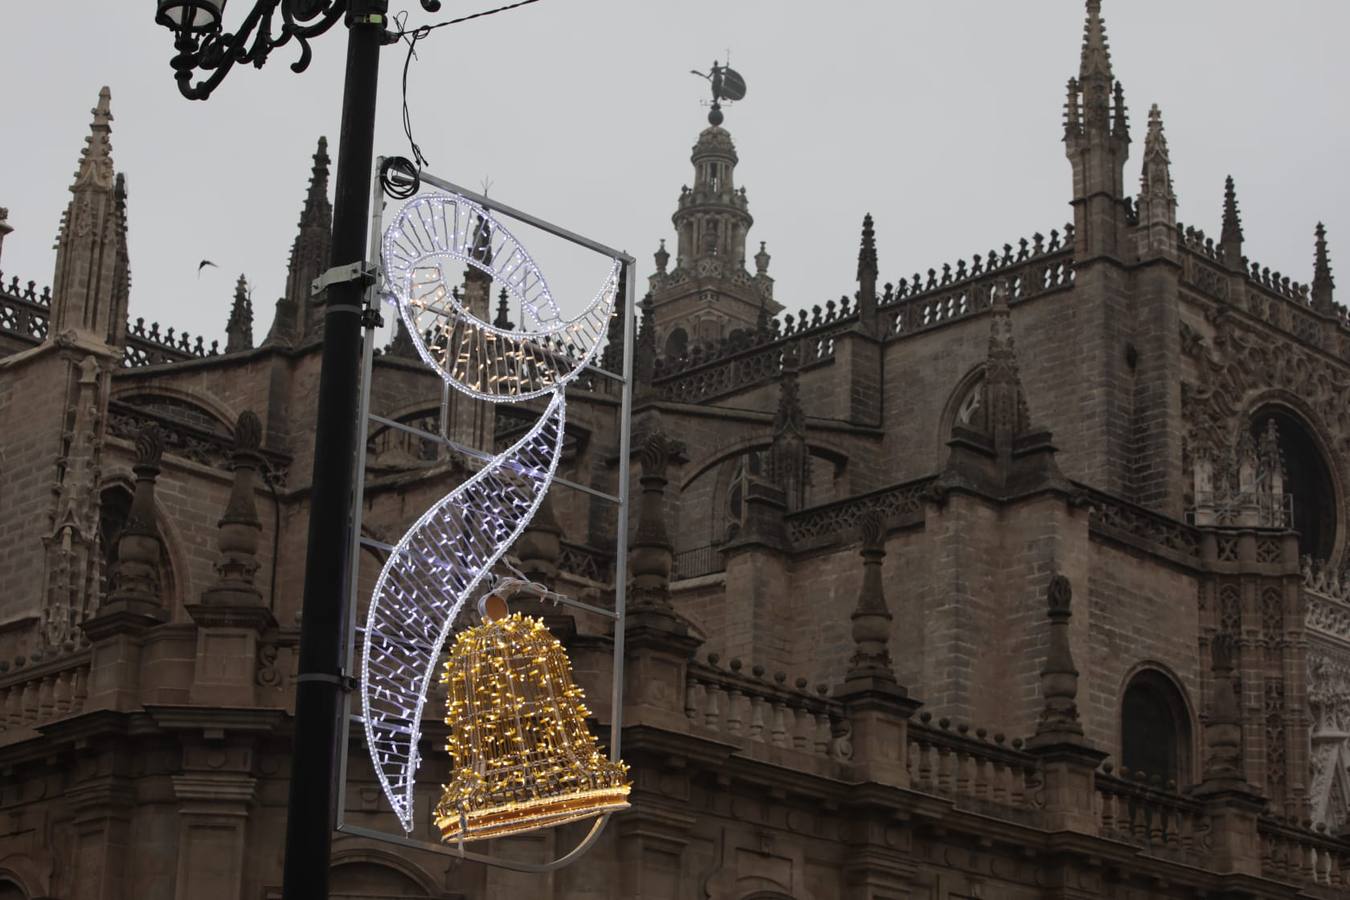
(523,756)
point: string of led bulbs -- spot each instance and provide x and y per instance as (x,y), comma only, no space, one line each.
(448,555)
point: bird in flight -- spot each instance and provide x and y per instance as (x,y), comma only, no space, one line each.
(203,264)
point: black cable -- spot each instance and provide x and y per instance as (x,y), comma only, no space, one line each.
(417,34)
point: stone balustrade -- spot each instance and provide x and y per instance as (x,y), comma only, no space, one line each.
(987,774)
(1156,818)
(1294,853)
(749,709)
(34,692)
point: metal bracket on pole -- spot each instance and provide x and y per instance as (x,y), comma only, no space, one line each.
(362,272)
(343,681)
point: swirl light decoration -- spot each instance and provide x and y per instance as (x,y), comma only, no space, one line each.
(448,554)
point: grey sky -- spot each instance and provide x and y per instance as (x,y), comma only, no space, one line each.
(942,119)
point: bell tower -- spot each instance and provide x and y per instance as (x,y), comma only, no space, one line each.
(709,294)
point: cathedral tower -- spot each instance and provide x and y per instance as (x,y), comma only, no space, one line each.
(710,295)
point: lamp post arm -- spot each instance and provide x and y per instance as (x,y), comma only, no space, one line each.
(252,42)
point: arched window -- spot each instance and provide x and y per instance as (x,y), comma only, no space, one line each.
(1306,479)
(749,465)
(11,891)
(114,507)
(1155,729)
(677,343)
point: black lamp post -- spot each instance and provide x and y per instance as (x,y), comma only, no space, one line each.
(204,47)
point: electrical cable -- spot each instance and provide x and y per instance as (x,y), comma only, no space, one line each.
(417,34)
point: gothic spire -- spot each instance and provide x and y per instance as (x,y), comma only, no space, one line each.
(1323,285)
(1097,141)
(318,211)
(789,465)
(867,277)
(1005,403)
(297,318)
(1157,205)
(239,328)
(1230,241)
(96,165)
(503,320)
(611,359)
(91,281)
(1096,55)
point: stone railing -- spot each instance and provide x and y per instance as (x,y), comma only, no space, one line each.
(1295,854)
(1152,816)
(1268,295)
(1119,519)
(699,561)
(1035,269)
(979,773)
(819,526)
(696,378)
(585,562)
(1327,598)
(147,347)
(749,709)
(24,313)
(36,691)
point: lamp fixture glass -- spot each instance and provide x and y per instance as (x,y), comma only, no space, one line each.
(191,16)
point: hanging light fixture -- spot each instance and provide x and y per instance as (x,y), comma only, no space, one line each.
(522,755)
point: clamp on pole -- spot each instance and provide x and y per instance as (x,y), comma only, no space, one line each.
(363,273)
(344,681)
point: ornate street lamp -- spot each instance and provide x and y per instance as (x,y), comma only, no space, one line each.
(204,47)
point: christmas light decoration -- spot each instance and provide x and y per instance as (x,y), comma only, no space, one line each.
(523,756)
(449,553)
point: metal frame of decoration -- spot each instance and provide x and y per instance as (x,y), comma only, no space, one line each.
(552,369)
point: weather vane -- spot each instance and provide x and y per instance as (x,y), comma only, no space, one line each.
(727,84)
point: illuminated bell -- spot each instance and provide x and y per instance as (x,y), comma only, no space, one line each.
(523,756)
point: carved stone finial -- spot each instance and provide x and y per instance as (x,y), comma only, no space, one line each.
(867,279)
(135,576)
(1323,285)
(235,597)
(762,260)
(1059,677)
(662,258)
(1096,56)
(644,364)
(871,618)
(239,327)
(1157,202)
(652,553)
(1230,238)
(149,448)
(248,431)
(503,320)
(1005,403)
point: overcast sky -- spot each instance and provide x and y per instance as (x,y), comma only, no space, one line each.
(941,119)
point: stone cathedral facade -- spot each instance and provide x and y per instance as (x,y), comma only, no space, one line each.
(1021,576)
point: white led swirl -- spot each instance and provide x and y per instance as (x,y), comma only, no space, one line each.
(450,551)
